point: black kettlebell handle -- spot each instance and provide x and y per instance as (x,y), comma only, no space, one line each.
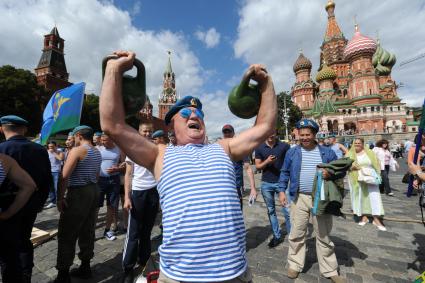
(141,72)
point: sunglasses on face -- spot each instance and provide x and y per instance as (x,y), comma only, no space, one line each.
(186,112)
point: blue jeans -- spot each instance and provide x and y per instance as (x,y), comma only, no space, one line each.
(269,192)
(54,190)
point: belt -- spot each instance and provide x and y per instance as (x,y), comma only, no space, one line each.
(82,186)
(305,193)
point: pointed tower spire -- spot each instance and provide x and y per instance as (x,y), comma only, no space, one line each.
(51,69)
(169,69)
(332,29)
(168,96)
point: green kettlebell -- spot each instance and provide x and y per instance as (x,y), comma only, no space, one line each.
(133,88)
(244,99)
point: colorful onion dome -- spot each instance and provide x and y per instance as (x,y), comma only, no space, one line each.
(325,73)
(383,61)
(302,63)
(359,44)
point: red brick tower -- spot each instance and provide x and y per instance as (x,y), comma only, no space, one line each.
(169,95)
(51,69)
(333,52)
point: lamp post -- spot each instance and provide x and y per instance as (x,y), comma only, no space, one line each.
(285,118)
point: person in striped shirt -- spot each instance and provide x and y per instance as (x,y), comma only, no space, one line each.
(204,231)
(302,160)
(77,202)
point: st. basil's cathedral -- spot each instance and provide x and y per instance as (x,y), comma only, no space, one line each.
(353,92)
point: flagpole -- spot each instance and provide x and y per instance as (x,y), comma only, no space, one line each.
(418,146)
(82,102)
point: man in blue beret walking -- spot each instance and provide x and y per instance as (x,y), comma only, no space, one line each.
(33,158)
(77,202)
(204,232)
(302,160)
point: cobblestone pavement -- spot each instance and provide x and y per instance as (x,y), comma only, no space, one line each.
(364,253)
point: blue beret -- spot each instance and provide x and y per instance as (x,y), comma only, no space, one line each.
(71,134)
(13,120)
(157,134)
(332,136)
(187,101)
(79,128)
(307,123)
(98,134)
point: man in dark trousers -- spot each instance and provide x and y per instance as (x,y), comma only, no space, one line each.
(269,157)
(33,158)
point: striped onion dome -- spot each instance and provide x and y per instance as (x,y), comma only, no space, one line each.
(302,63)
(359,44)
(326,73)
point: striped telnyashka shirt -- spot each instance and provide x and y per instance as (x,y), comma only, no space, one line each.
(309,162)
(87,169)
(2,174)
(204,231)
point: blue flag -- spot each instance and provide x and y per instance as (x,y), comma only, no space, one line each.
(63,112)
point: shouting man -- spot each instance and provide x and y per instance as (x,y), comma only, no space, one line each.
(204,233)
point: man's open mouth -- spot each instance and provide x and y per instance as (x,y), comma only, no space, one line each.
(194,125)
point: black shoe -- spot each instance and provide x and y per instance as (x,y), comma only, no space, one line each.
(63,277)
(128,277)
(274,242)
(83,272)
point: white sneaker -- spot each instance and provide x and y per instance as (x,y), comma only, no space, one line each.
(141,279)
(110,236)
(391,194)
(363,223)
(380,227)
(50,205)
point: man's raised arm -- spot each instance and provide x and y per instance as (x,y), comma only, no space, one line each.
(112,116)
(243,144)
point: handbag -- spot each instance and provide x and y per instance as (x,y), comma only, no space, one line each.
(369,176)
(406,178)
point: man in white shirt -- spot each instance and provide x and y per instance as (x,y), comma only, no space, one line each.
(142,201)
(56,158)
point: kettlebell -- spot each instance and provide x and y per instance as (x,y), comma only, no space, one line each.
(133,88)
(244,99)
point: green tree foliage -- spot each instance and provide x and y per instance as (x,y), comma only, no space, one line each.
(20,95)
(90,112)
(294,113)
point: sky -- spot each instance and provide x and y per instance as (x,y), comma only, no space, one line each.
(212,42)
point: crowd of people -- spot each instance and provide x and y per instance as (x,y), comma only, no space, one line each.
(198,186)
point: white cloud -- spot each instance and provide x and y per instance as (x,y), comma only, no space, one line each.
(93,29)
(272,32)
(211,38)
(136,8)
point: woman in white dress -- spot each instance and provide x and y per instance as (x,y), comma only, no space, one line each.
(365,197)
(386,160)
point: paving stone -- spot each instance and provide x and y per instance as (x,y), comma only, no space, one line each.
(363,253)
(353,278)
